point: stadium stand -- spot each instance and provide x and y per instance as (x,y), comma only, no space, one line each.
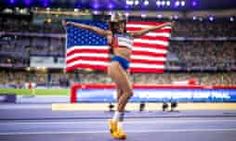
(197,49)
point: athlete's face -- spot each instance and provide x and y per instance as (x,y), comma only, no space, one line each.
(120,27)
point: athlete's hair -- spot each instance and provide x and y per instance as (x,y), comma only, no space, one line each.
(112,26)
(117,18)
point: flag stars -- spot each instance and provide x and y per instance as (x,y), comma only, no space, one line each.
(77,36)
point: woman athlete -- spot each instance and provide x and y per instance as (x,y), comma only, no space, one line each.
(120,42)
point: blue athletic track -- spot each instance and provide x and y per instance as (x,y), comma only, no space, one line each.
(32,122)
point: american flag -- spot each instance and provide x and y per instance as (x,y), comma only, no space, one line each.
(88,50)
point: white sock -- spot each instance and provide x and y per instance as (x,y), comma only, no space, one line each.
(120,125)
(116,116)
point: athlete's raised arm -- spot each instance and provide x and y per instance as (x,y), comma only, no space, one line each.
(145,31)
(88,27)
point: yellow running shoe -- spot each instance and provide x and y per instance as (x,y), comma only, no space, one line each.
(119,134)
(113,125)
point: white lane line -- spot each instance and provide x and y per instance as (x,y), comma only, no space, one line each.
(104,122)
(106,131)
(25,106)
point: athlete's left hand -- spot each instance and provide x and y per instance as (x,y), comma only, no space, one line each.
(169,23)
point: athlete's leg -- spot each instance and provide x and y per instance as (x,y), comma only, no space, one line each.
(119,93)
(120,77)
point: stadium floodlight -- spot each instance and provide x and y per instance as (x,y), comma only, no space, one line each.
(126,14)
(136,2)
(163,3)
(167,3)
(110,6)
(159,16)
(231,19)
(129,2)
(43,68)
(12,1)
(200,19)
(110,13)
(95,12)
(176,17)
(76,10)
(183,3)
(194,3)
(23,11)
(143,15)
(27,68)
(95,5)
(7,10)
(177,3)
(158,3)
(211,18)
(146,2)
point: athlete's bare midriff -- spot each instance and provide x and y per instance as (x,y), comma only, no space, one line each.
(123,52)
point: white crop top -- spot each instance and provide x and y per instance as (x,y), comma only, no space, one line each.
(123,40)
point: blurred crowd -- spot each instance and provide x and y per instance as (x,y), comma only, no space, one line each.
(182,28)
(57,79)
(26,25)
(183,55)
(214,59)
(189,28)
(25,46)
(205,78)
(17,79)
(202,55)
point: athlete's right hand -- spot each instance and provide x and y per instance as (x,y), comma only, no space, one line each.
(168,23)
(65,23)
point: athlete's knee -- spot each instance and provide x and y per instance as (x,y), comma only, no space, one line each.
(129,92)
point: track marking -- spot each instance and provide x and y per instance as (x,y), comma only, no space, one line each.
(104,122)
(24,106)
(128,131)
(149,106)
